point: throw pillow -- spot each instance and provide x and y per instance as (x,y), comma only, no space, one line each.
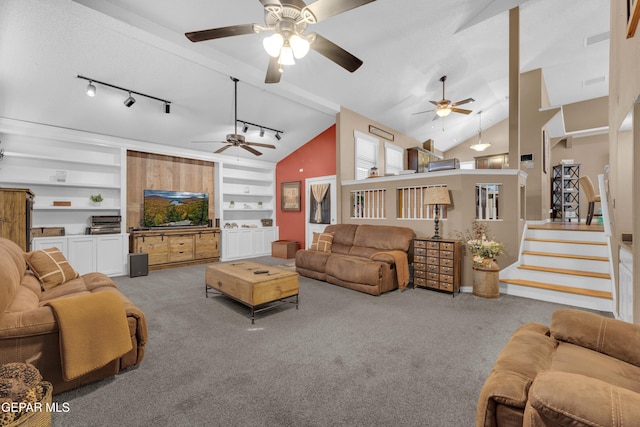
(322,242)
(50,267)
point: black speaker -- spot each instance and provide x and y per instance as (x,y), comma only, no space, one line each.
(138,264)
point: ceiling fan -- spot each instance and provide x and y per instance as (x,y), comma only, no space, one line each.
(444,107)
(235,140)
(288,19)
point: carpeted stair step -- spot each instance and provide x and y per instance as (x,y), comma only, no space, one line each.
(559,288)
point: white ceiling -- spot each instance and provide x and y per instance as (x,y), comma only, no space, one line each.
(406,47)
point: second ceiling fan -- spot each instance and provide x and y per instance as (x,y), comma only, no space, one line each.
(444,107)
(288,19)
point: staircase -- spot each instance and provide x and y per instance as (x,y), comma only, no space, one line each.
(565,266)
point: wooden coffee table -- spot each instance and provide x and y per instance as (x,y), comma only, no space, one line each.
(259,292)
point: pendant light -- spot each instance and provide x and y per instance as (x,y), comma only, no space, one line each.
(480,146)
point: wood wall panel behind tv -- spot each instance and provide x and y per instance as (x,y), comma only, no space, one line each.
(146,171)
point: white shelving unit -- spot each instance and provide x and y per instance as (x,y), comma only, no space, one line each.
(251,188)
(68,170)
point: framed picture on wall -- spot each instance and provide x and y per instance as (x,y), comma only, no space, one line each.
(633,16)
(290,196)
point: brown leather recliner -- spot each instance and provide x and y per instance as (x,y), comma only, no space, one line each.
(28,327)
(582,371)
(359,258)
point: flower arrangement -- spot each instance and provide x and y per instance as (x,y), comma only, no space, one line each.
(478,244)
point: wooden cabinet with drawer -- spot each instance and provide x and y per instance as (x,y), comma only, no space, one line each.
(171,248)
(437,264)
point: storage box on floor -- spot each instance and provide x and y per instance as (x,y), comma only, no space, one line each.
(284,249)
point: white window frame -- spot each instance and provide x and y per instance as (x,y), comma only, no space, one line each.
(391,168)
(361,164)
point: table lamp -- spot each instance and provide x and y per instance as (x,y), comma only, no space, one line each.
(436,196)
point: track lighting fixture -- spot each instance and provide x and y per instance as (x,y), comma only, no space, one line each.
(129,101)
(91,91)
(263,129)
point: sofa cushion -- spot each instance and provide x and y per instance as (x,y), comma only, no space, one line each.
(343,235)
(354,269)
(574,359)
(312,260)
(322,242)
(602,334)
(383,237)
(50,267)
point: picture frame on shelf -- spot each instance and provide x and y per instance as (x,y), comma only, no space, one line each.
(290,196)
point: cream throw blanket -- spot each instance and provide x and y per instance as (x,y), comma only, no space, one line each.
(93,331)
(402,265)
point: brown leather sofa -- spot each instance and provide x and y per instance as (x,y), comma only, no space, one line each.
(360,257)
(582,371)
(29,330)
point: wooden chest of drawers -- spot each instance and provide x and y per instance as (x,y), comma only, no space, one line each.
(437,264)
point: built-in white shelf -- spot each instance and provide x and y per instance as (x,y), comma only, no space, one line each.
(58,160)
(57,184)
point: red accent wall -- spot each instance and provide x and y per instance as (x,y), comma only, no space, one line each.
(316,158)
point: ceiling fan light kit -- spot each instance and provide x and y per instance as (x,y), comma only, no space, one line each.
(288,20)
(444,107)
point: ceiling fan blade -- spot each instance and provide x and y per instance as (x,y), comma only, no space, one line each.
(220,150)
(335,53)
(422,112)
(464,101)
(460,110)
(273,71)
(259,144)
(251,150)
(436,103)
(323,9)
(218,33)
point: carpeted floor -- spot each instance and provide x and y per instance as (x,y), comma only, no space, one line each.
(416,358)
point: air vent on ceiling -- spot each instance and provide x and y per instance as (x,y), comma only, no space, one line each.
(594,81)
(588,41)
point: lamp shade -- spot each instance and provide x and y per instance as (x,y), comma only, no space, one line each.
(443,112)
(436,196)
(273,44)
(299,45)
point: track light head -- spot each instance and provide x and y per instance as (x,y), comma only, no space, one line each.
(167,108)
(261,132)
(278,137)
(245,128)
(91,89)
(129,101)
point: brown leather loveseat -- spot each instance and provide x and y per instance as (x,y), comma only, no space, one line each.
(366,258)
(582,371)
(31,328)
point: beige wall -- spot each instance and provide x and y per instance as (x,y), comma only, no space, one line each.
(460,214)
(624,89)
(348,122)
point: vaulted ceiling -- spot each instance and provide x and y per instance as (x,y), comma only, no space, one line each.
(406,46)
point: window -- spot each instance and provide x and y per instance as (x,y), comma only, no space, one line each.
(393,159)
(487,201)
(366,154)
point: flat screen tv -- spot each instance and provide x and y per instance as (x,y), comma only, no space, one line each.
(175,208)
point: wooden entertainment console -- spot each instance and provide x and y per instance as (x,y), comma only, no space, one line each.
(177,247)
